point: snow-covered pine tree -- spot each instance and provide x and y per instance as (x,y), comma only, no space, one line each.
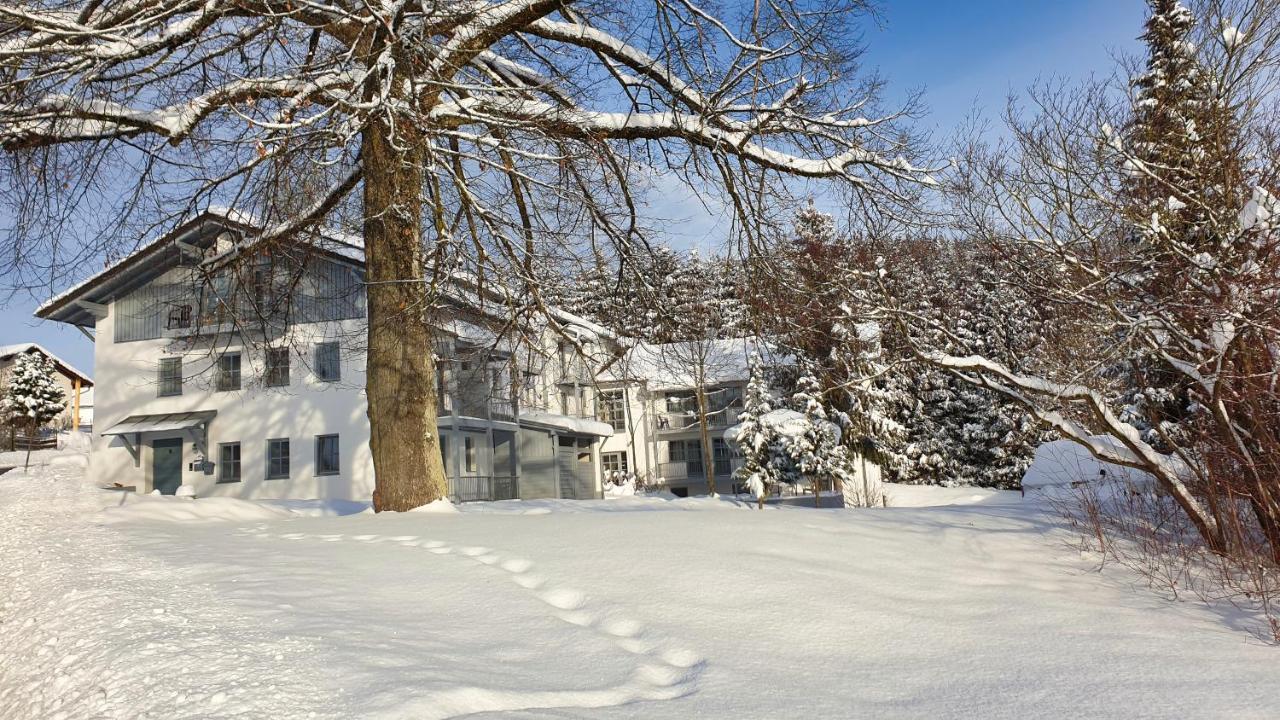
(816,452)
(33,397)
(878,399)
(956,433)
(1180,152)
(756,440)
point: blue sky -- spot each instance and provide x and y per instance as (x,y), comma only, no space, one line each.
(962,53)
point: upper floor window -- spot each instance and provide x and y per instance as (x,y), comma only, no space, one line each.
(328,362)
(170,377)
(228,371)
(277,369)
(612,405)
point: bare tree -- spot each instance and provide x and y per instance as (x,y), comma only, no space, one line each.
(456,134)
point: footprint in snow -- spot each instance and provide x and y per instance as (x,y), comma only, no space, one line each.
(622,627)
(564,598)
(529,582)
(516,565)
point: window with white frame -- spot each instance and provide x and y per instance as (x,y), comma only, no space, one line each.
(614,462)
(612,405)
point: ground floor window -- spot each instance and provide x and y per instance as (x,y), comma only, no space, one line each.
(690,453)
(277,459)
(327,455)
(470,452)
(229,462)
(614,462)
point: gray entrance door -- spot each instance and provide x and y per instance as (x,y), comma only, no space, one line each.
(166,465)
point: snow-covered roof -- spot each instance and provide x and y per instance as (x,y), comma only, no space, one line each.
(669,366)
(8,351)
(465,287)
(576,425)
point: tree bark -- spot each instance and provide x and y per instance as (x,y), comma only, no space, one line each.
(704,433)
(400,386)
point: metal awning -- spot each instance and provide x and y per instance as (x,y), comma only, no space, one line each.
(163,422)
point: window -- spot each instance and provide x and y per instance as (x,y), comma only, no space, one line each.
(613,408)
(328,362)
(469,447)
(170,378)
(721,454)
(686,451)
(327,455)
(614,462)
(277,459)
(444,452)
(229,371)
(229,462)
(277,370)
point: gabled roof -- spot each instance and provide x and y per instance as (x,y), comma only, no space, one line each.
(154,259)
(8,351)
(164,253)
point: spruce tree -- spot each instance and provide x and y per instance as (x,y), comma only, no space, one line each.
(755,439)
(1180,152)
(33,397)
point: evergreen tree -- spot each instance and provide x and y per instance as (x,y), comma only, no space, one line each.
(33,398)
(756,440)
(816,452)
(1180,151)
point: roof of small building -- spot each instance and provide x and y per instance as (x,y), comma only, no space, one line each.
(8,351)
(670,366)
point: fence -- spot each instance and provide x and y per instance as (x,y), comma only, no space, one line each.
(470,488)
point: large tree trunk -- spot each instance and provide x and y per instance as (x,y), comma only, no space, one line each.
(400,386)
(704,433)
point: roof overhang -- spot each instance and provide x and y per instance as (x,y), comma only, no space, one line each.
(161,422)
(82,304)
(76,305)
(564,424)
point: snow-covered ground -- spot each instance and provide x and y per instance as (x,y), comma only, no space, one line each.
(954,604)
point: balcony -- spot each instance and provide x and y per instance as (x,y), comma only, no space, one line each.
(473,488)
(686,420)
(680,472)
(475,402)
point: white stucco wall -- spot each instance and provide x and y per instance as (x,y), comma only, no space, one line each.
(635,439)
(306,408)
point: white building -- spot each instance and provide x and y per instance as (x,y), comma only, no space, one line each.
(649,398)
(190,393)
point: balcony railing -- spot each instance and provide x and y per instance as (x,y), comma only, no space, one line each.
(692,471)
(688,419)
(471,488)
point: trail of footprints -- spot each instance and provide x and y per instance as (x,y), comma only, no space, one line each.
(667,672)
